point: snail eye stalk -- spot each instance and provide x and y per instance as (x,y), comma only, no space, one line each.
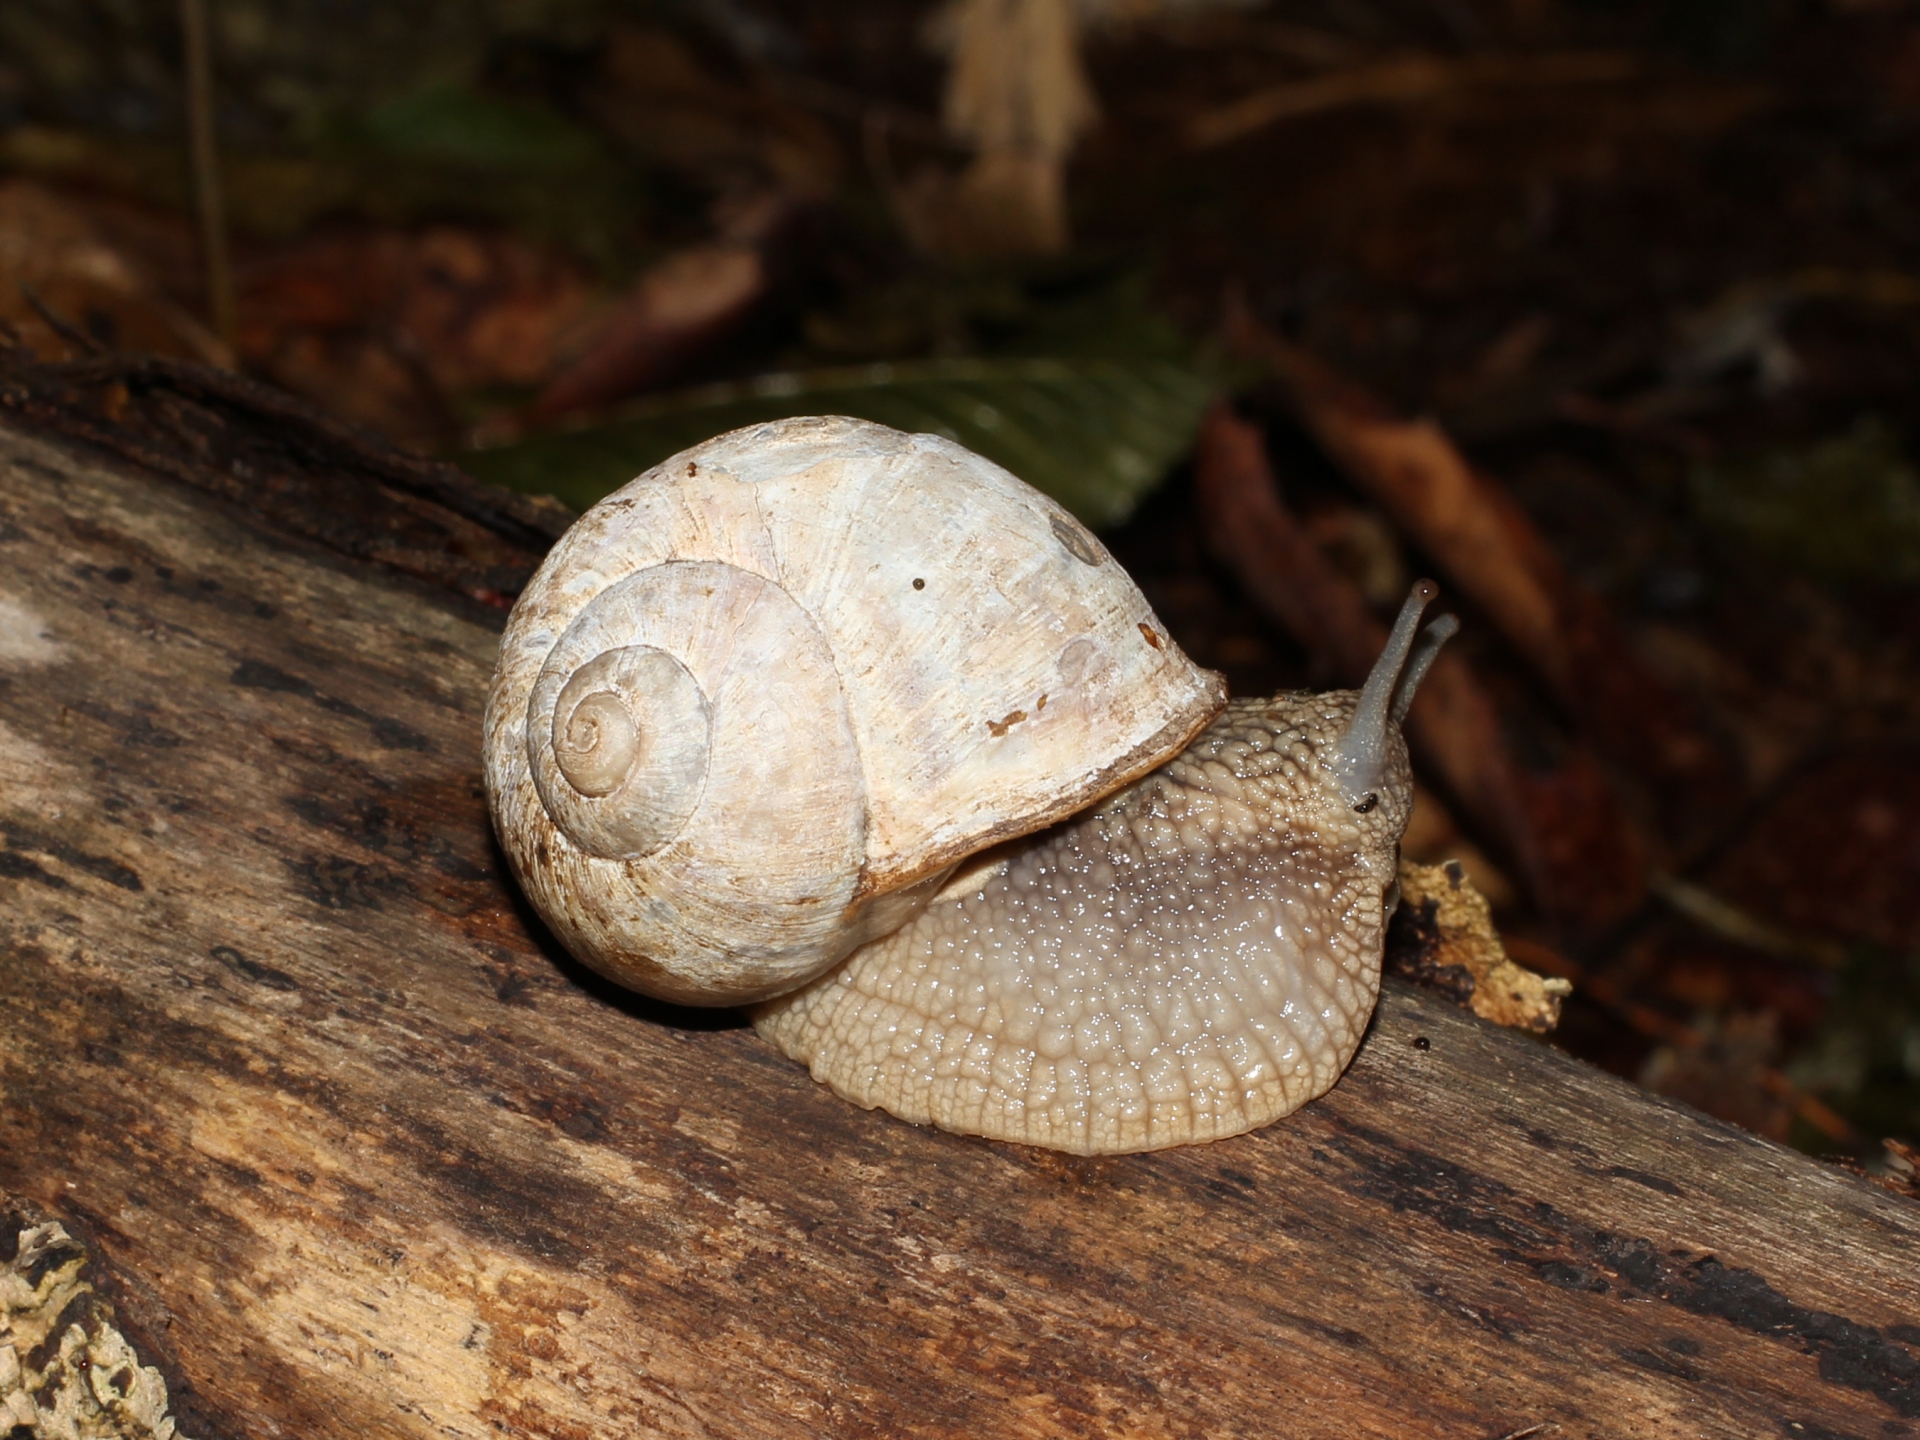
(1359,759)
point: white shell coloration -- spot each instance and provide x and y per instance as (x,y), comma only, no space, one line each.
(756,704)
(1195,956)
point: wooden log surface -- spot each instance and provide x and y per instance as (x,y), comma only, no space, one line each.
(366,1156)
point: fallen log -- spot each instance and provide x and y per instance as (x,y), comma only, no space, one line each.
(355,1151)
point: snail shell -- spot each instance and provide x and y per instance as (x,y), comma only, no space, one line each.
(756,705)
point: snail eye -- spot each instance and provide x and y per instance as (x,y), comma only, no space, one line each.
(1367,803)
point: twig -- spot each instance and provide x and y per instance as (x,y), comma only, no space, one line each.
(1730,922)
(1625,420)
(59,324)
(875,127)
(832,99)
(1453,726)
(205,160)
(1405,80)
(1250,529)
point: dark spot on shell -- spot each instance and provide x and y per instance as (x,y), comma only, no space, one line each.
(1000,727)
(1075,539)
(693,467)
(1152,639)
(1420,1042)
(919,584)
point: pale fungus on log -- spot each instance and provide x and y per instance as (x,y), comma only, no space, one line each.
(66,1369)
(1448,943)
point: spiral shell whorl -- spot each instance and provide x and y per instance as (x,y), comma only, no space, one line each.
(595,739)
(618,747)
(695,803)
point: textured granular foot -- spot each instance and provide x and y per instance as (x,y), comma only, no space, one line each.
(1195,957)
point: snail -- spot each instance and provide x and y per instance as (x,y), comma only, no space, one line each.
(854,728)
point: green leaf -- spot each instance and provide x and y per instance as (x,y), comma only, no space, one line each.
(1096,435)
(483,132)
(1060,308)
(1845,510)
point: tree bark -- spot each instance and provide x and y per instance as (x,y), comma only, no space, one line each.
(365,1155)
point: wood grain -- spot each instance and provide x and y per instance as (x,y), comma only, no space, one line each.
(370,1159)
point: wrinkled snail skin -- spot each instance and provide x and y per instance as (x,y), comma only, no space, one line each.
(1196,956)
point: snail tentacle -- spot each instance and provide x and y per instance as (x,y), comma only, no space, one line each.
(1361,755)
(1424,654)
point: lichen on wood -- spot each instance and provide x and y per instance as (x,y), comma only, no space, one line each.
(66,1370)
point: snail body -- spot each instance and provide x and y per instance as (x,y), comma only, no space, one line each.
(856,728)
(1196,956)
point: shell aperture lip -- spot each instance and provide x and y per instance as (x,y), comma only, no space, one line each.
(848,762)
